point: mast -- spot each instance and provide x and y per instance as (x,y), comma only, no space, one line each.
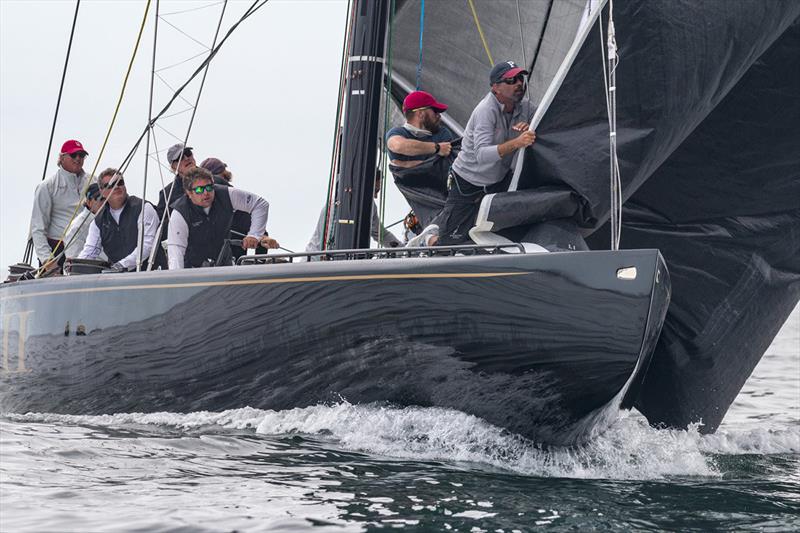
(359,151)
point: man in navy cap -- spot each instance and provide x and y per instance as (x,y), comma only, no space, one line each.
(56,201)
(497,128)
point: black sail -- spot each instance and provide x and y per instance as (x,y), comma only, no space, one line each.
(707,113)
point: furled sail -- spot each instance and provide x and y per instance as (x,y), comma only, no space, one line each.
(707,111)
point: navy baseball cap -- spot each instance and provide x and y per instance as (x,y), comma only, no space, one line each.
(93,191)
(506,69)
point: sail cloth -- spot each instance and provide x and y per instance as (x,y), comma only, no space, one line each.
(455,66)
(707,108)
(724,209)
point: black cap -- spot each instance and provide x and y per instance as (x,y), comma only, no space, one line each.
(506,69)
(93,191)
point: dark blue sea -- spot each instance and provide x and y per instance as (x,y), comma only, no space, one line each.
(359,468)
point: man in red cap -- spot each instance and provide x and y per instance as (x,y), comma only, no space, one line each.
(423,135)
(55,202)
(497,128)
(420,154)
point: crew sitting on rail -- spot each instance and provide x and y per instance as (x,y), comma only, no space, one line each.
(201,220)
(115,230)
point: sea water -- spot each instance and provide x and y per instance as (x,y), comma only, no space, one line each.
(355,468)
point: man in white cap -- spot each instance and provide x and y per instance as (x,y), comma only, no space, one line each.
(56,201)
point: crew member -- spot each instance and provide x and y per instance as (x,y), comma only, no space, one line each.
(56,201)
(423,134)
(79,228)
(115,230)
(497,128)
(201,220)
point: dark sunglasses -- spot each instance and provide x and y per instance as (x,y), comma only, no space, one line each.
(514,80)
(110,184)
(200,189)
(77,155)
(427,107)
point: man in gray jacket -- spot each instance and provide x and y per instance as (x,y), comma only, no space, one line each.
(56,201)
(497,128)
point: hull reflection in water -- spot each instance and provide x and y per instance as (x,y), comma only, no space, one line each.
(545,345)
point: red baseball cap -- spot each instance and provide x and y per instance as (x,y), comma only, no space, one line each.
(72,146)
(419,99)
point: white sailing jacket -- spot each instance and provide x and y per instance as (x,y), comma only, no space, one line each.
(54,203)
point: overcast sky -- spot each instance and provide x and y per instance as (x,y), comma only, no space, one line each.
(267,108)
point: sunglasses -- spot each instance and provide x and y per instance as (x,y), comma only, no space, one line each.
(514,80)
(200,189)
(77,155)
(110,184)
(427,107)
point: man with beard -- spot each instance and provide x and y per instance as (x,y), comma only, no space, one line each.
(497,128)
(423,135)
(115,230)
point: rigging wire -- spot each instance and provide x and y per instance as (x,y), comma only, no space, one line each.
(140,242)
(522,36)
(337,127)
(105,141)
(168,196)
(480,32)
(421,33)
(611,61)
(192,9)
(541,35)
(252,9)
(28,255)
(387,101)
(187,35)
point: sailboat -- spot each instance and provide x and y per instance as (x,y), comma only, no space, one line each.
(547,345)
(708,97)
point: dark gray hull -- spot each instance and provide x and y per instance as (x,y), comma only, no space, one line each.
(545,345)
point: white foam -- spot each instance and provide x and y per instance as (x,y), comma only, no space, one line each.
(629,450)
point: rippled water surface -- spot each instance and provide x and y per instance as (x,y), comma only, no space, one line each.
(356,468)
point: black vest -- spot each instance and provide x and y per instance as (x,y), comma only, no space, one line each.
(207,232)
(119,239)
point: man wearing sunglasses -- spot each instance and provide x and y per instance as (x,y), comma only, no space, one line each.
(80,225)
(115,230)
(181,160)
(55,202)
(423,135)
(497,128)
(201,220)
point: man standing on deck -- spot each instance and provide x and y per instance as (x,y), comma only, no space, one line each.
(115,230)
(56,201)
(497,128)
(201,220)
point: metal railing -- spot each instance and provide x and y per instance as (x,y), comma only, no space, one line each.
(380,253)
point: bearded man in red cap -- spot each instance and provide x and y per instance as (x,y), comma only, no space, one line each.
(420,154)
(55,202)
(423,135)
